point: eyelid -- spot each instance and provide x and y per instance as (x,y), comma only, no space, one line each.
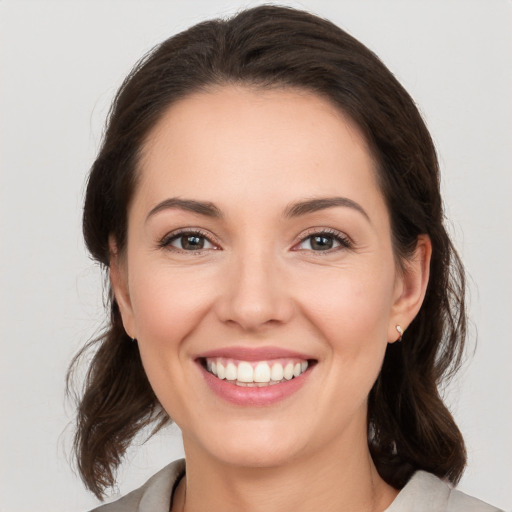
(165,241)
(345,241)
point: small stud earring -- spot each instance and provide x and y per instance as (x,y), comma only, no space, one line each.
(400,332)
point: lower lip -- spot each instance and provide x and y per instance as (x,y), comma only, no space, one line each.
(254,396)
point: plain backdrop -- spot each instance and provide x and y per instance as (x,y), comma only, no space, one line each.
(61,63)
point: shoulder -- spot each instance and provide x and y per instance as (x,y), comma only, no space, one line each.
(427,493)
(153,496)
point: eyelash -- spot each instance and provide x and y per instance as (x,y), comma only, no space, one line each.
(166,242)
(344,241)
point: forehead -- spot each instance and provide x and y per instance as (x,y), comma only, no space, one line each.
(278,143)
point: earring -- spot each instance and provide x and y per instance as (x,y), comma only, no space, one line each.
(400,332)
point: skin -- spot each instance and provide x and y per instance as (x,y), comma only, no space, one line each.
(259,282)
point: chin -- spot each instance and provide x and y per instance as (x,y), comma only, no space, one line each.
(261,446)
(256,456)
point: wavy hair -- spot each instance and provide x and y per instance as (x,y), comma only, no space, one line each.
(409,427)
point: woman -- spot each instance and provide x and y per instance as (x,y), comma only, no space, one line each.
(267,202)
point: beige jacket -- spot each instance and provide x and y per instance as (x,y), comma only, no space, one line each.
(423,493)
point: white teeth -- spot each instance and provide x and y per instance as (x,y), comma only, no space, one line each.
(231,372)
(277,372)
(256,374)
(288,371)
(262,373)
(252,384)
(245,372)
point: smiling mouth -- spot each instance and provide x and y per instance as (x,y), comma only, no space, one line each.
(256,373)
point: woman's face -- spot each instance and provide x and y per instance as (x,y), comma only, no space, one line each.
(258,244)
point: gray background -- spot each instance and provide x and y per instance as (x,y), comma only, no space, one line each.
(60,64)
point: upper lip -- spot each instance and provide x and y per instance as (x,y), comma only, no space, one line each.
(253,353)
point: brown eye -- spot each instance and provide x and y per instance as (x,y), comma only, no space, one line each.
(321,242)
(189,241)
(324,241)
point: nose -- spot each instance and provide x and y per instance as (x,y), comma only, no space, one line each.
(255,293)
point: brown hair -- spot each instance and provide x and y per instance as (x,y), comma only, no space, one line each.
(409,427)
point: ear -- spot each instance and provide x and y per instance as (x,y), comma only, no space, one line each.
(410,288)
(119,281)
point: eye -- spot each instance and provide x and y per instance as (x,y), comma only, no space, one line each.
(188,241)
(323,241)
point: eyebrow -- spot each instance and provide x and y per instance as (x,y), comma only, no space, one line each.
(202,207)
(315,205)
(208,209)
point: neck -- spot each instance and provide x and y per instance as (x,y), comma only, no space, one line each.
(341,479)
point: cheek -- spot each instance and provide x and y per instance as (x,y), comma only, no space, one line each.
(351,313)
(350,304)
(350,308)
(168,304)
